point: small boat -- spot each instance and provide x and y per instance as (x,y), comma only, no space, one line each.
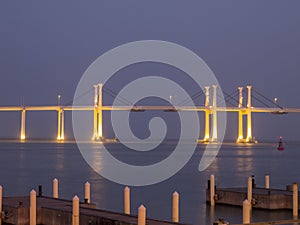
(280,145)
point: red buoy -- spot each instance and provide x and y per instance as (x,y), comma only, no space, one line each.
(280,145)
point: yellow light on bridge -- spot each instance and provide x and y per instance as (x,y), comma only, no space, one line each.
(22,137)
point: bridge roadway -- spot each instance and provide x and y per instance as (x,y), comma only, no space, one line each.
(144,108)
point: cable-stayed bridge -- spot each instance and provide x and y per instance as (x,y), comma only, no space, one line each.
(234,104)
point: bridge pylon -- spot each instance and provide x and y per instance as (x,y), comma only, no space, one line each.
(214,137)
(240,138)
(248,112)
(249,116)
(98,112)
(60,124)
(207,116)
(23,124)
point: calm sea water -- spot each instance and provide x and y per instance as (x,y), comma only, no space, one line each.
(24,166)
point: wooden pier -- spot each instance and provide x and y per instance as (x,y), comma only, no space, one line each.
(262,198)
(54,211)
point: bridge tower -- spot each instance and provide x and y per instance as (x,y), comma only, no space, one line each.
(60,121)
(207,115)
(214,137)
(240,117)
(98,125)
(249,116)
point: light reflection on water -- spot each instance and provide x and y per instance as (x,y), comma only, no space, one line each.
(25,165)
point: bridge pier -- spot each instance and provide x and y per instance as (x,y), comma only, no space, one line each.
(240,127)
(214,137)
(207,126)
(248,112)
(249,126)
(240,117)
(60,124)
(98,111)
(249,116)
(23,120)
(207,116)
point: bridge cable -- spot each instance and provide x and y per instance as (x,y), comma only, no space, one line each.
(257,99)
(118,97)
(228,97)
(273,103)
(69,103)
(193,97)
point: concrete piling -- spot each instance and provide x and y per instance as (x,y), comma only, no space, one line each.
(295,199)
(127,200)
(212,190)
(246,211)
(175,207)
(32,213)
(87,192)
(55,188)
(142,215)
(75,211)
(267,181)
(249,193)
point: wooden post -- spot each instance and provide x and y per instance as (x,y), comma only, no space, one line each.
(267,181)
(55,188)
(249,194)
(127,200)
(142,215)
(212,189)
(32,213)
(75,211)
(175,207)
(0,204)
(246,211)
(87,192)
(295,199)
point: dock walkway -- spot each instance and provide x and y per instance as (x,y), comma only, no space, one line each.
(52,211)
(262,198)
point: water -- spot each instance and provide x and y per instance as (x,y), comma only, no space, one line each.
(25,165)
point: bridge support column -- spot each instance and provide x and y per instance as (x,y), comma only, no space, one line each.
(62,135)
(214,116)
(96,99)
(240,117)
(207,126)
(23,119)
(249,126)
(98,126)
(60,124)
(95,133)
(207,117)
(249,116)
(240,124)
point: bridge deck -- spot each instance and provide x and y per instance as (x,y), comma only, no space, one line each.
(144,108)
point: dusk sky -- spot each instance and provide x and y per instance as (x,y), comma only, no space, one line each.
(46,46)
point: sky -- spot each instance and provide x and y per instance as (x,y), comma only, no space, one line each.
(46,46)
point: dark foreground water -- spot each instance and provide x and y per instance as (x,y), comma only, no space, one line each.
(25,165)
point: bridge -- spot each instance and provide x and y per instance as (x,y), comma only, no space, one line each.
(210,109)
